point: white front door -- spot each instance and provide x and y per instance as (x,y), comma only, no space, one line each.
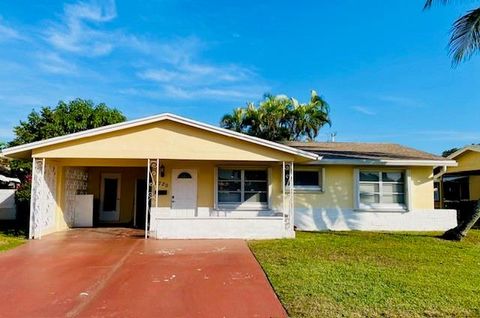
(184,192)
(110,197)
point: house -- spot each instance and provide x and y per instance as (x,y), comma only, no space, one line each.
(181,178)
(459,186)
(8,187)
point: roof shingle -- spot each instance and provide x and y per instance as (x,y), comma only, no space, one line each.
(363,151)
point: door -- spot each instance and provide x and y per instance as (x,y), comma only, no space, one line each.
(140,195)
(184,192)
(110,197)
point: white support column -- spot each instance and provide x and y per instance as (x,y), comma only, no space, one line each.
(284,205)
(153,166)
(32,202)
(147,203)
(291,212)
(37,199)
(156,183)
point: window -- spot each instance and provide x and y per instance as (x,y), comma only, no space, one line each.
(184,175)
(245,187)
(381,189)
(308,179)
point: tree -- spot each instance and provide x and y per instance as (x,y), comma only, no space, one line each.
(448,152)
(461,230)
(464,43)
(74,116)
(465,36)
(280,118)
(65,118)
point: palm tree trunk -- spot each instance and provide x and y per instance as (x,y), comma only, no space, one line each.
(461,230)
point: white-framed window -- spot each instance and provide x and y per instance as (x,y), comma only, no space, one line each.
(242,187)
(308,178)
(382,189)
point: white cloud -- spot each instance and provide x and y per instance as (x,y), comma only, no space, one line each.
(8,33)
(223,93)
(174,65)
(53,63)
(364,110)
(401,101)
(78,31)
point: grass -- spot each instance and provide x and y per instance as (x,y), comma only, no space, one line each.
(364,274)
(10,239)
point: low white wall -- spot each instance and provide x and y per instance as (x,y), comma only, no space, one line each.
(7,204)
(349,219)
(164,227)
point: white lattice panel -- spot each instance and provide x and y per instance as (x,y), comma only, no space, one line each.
(76,182)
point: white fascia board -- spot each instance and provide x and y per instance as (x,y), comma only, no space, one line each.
(460,151)
(368,162)
(157,118)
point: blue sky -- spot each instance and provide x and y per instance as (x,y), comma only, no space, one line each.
(382,65)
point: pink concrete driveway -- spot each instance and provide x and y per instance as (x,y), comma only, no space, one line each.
(115,273)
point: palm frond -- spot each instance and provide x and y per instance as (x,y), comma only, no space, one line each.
(465,39)
(429,3)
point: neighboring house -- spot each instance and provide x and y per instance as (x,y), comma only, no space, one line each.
(459,186)
(209,182)
(8,187)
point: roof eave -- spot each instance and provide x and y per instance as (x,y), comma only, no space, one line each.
(148,120)
(389,162)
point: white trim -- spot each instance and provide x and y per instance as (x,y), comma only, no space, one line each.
(243,205)
(319,187)
(382,206)
(269,187)
(158,118)
(464,149)
(408,185)
(385,162)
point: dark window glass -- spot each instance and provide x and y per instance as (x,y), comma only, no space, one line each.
(256,175)
(306,178)
(369,176)
(229,174)
(184,175)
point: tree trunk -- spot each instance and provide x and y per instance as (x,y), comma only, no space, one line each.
(461,230)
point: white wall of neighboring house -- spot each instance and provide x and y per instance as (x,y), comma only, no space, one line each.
(7,204)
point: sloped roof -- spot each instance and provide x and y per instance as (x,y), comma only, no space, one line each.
(369,152)
(27,148)
(457,153)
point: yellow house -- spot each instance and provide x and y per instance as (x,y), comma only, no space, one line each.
(179,178)
(459,186)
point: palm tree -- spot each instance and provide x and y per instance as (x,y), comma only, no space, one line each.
(234,121)
(280,118)
(465,38)
(308,119)
(464,43)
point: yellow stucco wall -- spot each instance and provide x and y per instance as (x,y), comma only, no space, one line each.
(474,187)
(467,161)
(166,140)
(339,188)
(421,187)
(338,192)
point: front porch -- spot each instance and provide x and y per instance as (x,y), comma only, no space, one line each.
(169,198)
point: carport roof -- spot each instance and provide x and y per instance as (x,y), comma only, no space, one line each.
(25,151)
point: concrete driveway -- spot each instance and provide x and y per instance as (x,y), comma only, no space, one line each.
(115,273)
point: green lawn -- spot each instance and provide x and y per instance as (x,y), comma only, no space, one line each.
(9,240)
(364,274)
